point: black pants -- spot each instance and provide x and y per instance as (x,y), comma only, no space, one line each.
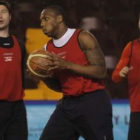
(134,127)
(13,123)
(89,115)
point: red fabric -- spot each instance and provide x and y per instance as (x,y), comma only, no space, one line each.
(133,75)
(122,63)
(73,84)
(10,73)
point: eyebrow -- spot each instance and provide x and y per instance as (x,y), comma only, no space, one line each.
(4,9)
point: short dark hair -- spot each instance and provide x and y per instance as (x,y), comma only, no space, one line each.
(6,4)
(58,11)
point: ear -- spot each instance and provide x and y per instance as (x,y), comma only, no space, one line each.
(59,18)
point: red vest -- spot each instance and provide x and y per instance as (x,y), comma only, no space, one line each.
(10,73)
(72,83)
(134,77)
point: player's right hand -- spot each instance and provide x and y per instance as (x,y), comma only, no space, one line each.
(125,71)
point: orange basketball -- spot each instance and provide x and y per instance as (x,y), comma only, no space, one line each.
(37,64)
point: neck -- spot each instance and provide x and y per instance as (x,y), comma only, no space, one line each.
(61,32)
(4,33)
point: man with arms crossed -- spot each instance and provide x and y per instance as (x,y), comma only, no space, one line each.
(13,123)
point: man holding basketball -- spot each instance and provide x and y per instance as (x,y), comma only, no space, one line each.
(13,123)
(79,68)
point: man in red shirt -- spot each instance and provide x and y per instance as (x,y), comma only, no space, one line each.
(128,66)
(79,69)
(13,122)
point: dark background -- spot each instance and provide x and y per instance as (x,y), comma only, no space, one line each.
(117,21)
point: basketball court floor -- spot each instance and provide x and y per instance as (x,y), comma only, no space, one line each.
(38,113)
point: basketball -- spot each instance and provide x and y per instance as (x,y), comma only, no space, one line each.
(37,64)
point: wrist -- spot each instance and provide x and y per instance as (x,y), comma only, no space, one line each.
(69,65)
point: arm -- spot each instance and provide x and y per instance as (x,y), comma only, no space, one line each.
(94,55)
(122,69)
(23,61)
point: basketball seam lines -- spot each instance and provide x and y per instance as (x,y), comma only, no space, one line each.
(33,55)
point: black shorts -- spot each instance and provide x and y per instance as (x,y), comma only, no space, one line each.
(89,116)
(13,122)
(134,127)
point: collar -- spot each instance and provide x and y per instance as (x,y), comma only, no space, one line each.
(64,39)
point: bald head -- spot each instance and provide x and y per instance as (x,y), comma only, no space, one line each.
(57,10)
